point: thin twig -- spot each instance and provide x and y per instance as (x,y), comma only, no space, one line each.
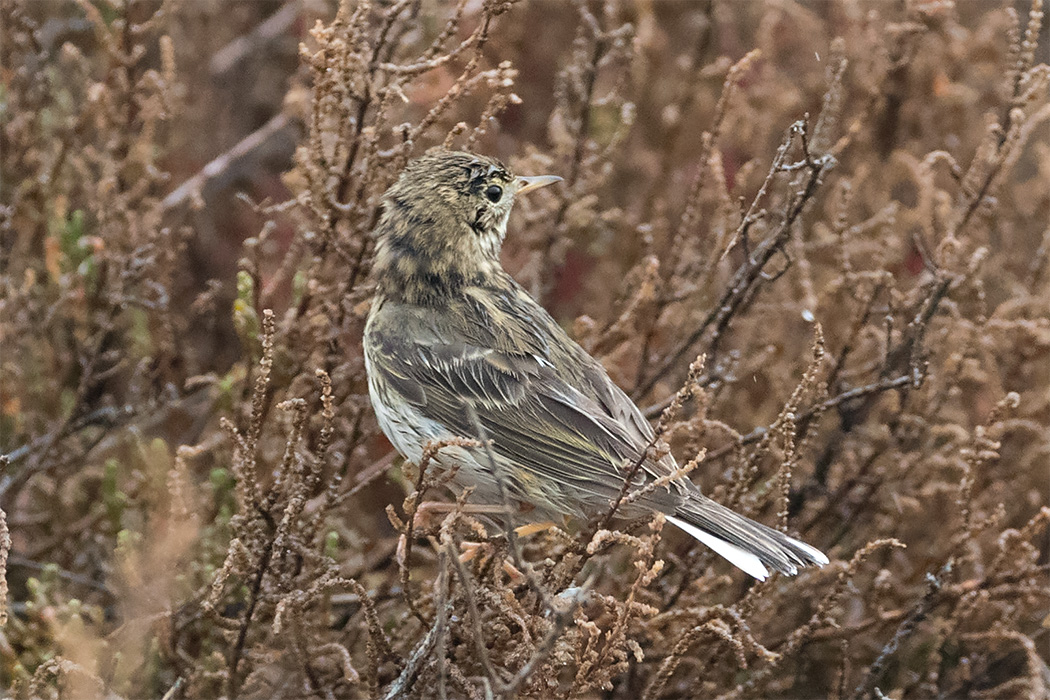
(563,615)
(904,630)
(237,651)
(750,273)
(846,396)
(403,684)
(275,137)
(467,586)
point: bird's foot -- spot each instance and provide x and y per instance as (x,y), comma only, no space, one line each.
(428,509)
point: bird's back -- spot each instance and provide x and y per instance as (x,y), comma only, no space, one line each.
(554,415)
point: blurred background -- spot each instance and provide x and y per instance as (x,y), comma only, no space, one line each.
(841,205)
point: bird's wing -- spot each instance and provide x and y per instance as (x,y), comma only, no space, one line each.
(616,403)
(537,421)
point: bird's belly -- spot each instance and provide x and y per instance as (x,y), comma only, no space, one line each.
(407,430)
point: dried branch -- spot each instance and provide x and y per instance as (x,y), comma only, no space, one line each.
(751,273)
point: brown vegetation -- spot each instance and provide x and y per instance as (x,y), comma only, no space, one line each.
(809,237)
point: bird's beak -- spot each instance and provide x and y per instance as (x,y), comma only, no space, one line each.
(527,184)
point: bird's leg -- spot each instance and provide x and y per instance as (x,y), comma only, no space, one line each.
(533,528)
(470,550)
(512,572)
(429,508)
(516,576)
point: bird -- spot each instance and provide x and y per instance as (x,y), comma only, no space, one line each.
(458,351)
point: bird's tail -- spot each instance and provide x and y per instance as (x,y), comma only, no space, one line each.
(750,546)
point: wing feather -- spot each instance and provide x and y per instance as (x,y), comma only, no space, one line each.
(536,420)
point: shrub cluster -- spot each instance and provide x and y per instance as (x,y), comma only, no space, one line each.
(809,238)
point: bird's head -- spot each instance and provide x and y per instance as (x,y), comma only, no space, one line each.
(444,220)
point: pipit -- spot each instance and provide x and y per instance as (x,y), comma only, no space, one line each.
(454,347)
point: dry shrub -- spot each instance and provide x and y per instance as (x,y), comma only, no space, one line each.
(839,206)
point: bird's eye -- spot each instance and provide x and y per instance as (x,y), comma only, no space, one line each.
(493,192)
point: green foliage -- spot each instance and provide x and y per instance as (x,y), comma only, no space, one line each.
(245,317)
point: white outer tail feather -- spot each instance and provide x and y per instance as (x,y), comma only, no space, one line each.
(745,561)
